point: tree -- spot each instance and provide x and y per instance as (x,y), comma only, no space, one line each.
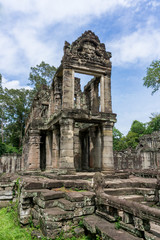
(119,141)
(154,123)
(152,78)
(138,127)
(16,105)
(132,139)
(40,75)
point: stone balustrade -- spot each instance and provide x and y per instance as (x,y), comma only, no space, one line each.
(131,216)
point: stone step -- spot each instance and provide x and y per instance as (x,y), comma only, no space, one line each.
(155,230)
(57,214)
(68,201)
(74,196)
(95,224)
(39,183)
(66,205)
(51,195)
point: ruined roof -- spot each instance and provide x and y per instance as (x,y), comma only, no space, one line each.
(87,49)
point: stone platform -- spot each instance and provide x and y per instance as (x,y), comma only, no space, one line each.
(60,203)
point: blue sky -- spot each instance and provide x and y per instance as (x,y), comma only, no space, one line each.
(35,30)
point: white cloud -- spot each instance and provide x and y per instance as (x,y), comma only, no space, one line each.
(141,46)
(24,25)
(153,3)
(52,10)
(14,84)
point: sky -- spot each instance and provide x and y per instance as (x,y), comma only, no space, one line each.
(32,31)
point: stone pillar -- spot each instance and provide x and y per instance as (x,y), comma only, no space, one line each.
(55,148)
(68,89)
(97,154)
(77,148)
(51,104)
(91,147)
(107,148)
(66,162)
(48,151)
(102,93)
(34,151)
(94,97)
(107,94)
(57,94)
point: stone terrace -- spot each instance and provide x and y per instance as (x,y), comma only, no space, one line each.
(57,204)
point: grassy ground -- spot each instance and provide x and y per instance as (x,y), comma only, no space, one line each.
(10,228)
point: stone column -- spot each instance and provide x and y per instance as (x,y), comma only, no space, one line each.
(107,94)
(77,148)
(55,148)
(51,104)
(91,147)
(107,148)
(48,151)
(34,151)
(57,94)
(94,97)
(67,145)
(102,93)
(97,163)
(68,89)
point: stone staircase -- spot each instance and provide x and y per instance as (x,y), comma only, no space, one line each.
(55,210)
(143,195)
(57,204)
(98,225)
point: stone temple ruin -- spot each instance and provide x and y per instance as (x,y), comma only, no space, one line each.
(68,137)
(69,129)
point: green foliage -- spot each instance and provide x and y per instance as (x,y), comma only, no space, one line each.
(9,226)
(132,139)
(117,223)
(98,237)
(40,75)
(138,127)
(152,78)
(154,123)
(80,224)
(2,148)
(15,104)
(119,141)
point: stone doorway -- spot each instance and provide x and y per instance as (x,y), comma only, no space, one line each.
(43,152)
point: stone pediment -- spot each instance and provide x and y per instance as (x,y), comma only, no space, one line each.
(86,49)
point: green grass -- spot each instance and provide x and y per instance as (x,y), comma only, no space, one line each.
(10,228)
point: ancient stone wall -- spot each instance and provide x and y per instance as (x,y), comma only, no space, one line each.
(10,163)
(145,156)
